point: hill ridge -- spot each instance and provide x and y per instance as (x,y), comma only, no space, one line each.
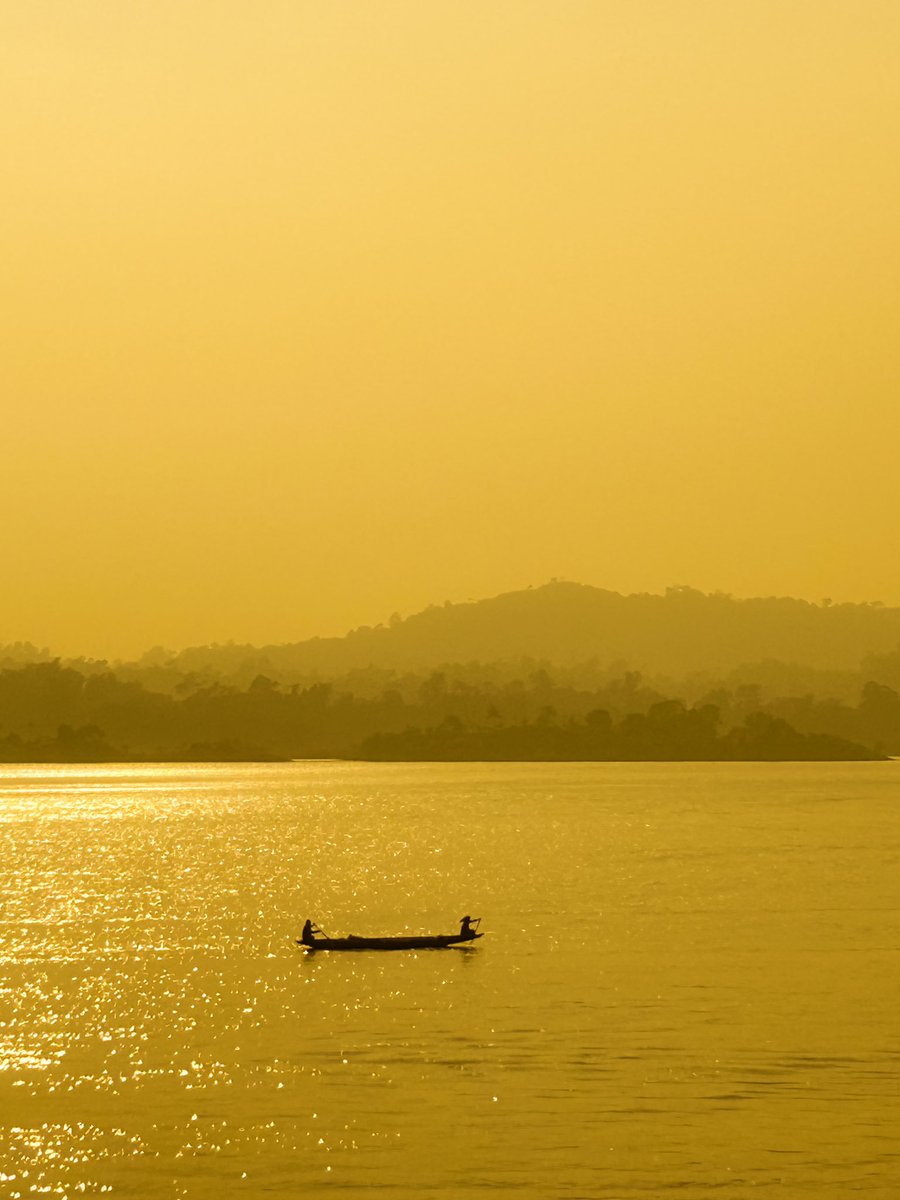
(678,632)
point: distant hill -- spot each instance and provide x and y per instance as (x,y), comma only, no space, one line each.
(677,634)
(556,672)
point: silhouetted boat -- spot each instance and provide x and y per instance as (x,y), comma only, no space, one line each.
(389,943)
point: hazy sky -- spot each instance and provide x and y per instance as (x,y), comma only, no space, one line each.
(314,311)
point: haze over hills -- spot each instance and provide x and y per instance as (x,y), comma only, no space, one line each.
(681,633)
(559,671)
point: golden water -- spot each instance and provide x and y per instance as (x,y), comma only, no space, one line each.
(689,982)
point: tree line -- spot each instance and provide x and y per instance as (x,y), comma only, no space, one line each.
(54,712)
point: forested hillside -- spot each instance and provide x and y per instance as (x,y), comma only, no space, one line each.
(53,713)
(682,633)
(538,672)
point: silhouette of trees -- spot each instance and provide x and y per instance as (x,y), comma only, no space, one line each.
(53,712)
(668,732)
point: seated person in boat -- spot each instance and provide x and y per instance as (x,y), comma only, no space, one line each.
(307,937)
(466,928)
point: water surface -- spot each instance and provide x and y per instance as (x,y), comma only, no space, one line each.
(688,983)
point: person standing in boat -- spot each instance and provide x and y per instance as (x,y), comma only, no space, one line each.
(307,937)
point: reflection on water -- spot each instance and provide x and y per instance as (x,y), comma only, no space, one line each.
(689,980)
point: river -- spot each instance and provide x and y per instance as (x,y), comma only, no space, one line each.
(688,983)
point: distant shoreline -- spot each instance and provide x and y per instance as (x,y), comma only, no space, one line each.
(186,762)
(51,713)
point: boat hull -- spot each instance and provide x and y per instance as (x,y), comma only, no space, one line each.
(389,943)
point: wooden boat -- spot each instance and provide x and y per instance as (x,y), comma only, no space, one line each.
(352,942)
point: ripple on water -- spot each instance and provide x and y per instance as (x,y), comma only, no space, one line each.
(685,987)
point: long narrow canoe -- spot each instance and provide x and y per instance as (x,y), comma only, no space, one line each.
(388,943)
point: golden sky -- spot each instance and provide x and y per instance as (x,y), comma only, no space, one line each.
(314,311)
